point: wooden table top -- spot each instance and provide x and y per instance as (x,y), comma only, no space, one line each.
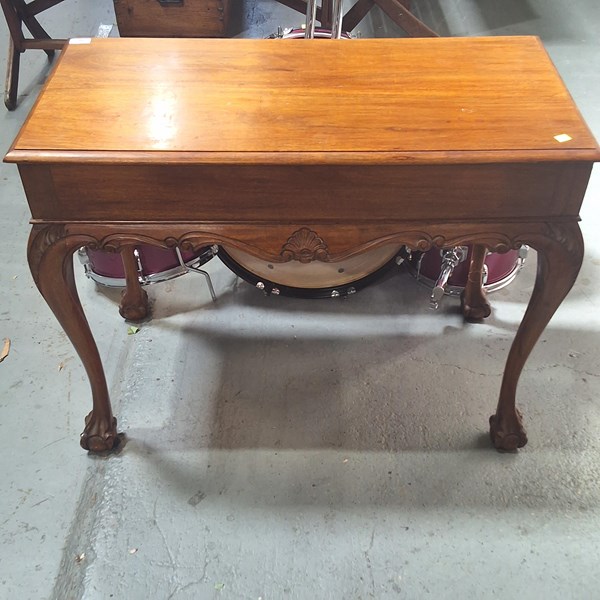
(371,100)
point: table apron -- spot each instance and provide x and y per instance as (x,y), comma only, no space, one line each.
(298,193)
(304,242)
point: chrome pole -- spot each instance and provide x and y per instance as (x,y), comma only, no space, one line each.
(311,17)
(336,26)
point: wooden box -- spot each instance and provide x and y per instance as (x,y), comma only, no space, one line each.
(172,18)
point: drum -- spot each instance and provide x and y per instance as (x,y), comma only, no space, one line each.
(499,269)
(154,264)
(315,279)
(299,32)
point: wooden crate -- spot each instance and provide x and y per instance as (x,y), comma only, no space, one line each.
(172,18)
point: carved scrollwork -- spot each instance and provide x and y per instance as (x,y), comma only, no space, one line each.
(305,246)
(116,242)
(562,234)
(496,242)
(40,240)
(426,242)
(186,244)
(422,241)
(43,238)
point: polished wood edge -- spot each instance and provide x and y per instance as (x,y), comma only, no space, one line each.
(334,223)
(492,40)
(110,157)
(38,100)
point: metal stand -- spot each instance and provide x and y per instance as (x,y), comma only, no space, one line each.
(192,269)
(397,10)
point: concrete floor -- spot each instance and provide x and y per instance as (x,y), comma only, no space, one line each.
(280,448)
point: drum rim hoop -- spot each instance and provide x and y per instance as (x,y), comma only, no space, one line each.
(305,293)
(203,256)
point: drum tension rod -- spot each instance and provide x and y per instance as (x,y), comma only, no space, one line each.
(192,269)
(403,254)
(451,257)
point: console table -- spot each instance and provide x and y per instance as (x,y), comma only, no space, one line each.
(305,150)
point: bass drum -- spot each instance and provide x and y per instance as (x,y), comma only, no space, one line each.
(315,279)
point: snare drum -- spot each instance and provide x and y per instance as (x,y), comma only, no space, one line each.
(499,269)
(154,264)
(315,279)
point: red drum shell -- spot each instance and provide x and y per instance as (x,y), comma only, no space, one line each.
(157,264)
(500,267)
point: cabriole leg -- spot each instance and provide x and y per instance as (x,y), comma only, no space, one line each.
(50,256)
(560,254)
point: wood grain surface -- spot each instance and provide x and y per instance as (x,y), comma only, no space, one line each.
(383,98)
(303,192)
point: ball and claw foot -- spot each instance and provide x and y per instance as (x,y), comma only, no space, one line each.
(507,434)
(475,308)
(134,307)
(98,435)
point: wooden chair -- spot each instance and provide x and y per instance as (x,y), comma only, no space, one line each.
(17,14)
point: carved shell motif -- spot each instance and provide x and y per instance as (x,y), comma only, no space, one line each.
(304,245)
